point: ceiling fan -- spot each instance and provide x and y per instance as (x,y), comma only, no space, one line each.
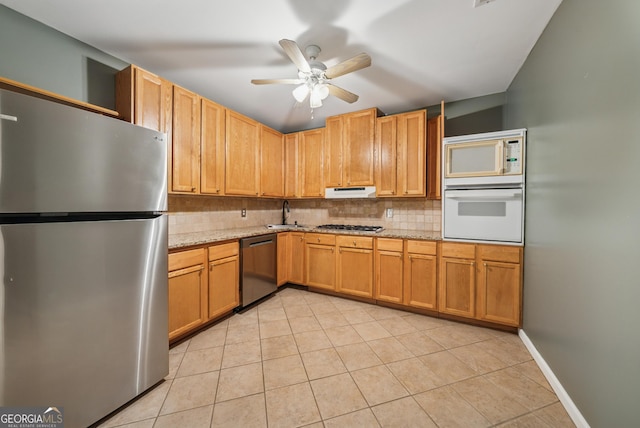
(314,77)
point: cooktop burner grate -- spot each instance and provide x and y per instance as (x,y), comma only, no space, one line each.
(357,228)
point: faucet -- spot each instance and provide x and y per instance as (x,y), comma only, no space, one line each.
(285,204)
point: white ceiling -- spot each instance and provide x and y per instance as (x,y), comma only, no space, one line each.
(422,50)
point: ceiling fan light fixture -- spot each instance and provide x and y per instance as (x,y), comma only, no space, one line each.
(322,90)
(300,93)
(315,100)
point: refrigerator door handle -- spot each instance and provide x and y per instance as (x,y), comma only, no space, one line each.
(8,117)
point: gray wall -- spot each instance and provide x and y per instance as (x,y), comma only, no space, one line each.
(578,93)
(37,55)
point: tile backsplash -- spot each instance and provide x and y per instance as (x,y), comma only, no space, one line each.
(197,213)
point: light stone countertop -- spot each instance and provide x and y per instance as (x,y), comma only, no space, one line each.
(183,240)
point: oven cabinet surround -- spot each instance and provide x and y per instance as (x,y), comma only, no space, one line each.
(203,286)
(482,282)
(349,149)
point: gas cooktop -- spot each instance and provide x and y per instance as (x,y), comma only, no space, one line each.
(357,228)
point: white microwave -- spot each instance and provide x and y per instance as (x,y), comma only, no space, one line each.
(484,155)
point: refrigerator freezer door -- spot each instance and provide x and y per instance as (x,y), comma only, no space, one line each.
(83,309)
(55,158)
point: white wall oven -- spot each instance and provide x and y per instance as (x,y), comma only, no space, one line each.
(483,197)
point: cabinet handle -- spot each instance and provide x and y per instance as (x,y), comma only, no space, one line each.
(217,190)
(256,193)
(354,243)
(484,264)
(193,189)
(318,239)
(393,192)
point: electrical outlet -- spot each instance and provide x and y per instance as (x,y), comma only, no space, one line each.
(243,212)
(389,212)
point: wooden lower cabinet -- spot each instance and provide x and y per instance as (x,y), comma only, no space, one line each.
(420,274)
(224,279)
(481,281)
(187,291)
(320,260)
(499,284)
(389,268)
(284,257)
(296,268)
(355,265)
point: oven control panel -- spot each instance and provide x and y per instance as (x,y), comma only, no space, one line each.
(512,156)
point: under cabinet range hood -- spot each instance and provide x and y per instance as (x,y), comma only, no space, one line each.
(350,192)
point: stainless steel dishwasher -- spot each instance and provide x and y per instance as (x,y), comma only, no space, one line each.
(258,264)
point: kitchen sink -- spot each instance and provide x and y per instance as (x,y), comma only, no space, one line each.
(283,226)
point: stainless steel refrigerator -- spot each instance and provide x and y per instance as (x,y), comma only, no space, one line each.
(83,259)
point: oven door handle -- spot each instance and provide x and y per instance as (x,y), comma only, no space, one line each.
(483,194)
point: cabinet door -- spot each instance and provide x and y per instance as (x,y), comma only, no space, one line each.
(297,259)
(499,292)
(212,148)
(224,286)
(187,292)
(435,129)
(358,147)
(456,292)
(412,153)
(291,187)
(333,161)
(421,281)
(320,266)
(311,163)
(152,101)
(242,155)
(284,257)
(355,265)
(185,153)
(389,276)
(386,156)
(271,163)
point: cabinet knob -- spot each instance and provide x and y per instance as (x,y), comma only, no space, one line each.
(256,193)
(217,190)
(193,189)
(354,243)
(318,239)
(393,192)
(484,264)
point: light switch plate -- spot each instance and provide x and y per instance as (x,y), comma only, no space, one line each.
(389,212)
(243,212)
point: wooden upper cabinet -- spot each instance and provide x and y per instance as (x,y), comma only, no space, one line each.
(242,155)
(333,159)
(185,144)
(272,163)
(310,149)
(291,182)
(412,153)
(212,148)
(386,156)
(144,98)
(349,149)
(435,134)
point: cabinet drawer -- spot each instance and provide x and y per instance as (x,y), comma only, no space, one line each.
(223,250)
(458,251)
(320,238)
(355,241)
(421,247)
(388,244)
(184,259)
(499,253)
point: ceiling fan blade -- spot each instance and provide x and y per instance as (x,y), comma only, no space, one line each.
(343,94)
(292,50)
(358,62)
(282,81)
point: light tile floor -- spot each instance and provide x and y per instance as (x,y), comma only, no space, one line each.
(306,359)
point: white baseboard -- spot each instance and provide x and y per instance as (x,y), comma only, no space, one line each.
(562,394)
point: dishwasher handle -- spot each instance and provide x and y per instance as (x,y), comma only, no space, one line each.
(257,244)
(257,241)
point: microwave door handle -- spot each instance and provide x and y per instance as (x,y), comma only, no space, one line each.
(501,157)
(483,194)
